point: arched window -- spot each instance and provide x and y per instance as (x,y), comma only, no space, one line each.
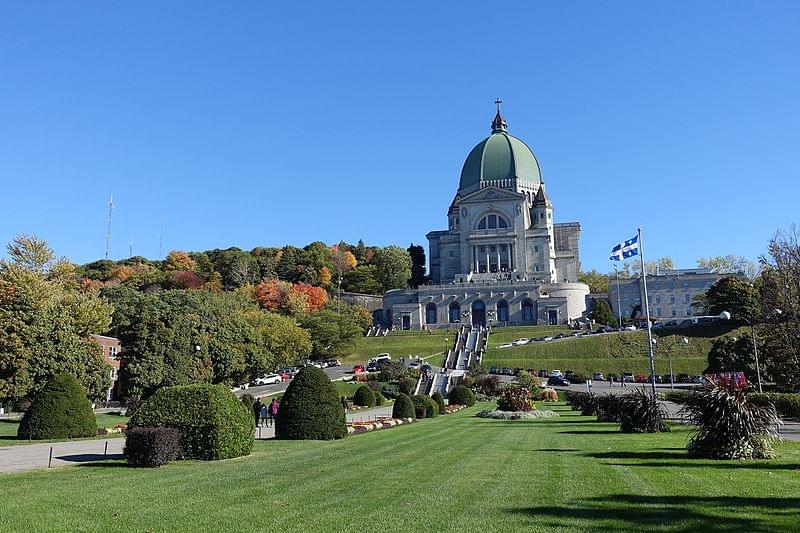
(430,313)
(492,222)
(478,313)
(455,312)
(502,311)
(527,310)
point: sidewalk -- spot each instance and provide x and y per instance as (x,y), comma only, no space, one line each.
(36,456)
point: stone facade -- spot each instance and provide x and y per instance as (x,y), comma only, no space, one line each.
(112,348)
(503,259)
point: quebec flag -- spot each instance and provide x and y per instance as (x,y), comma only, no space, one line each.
(626,249)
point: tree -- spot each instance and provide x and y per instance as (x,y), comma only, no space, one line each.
(47,326)
(418,277)
(31,253)
(731,294)
(237,268)
(287,264)
(597,282)
(393,266)
(730,264)
(343,262)
(602,313)
(333,333)
(315,297)
(179,261)
(362,279)
(732,354)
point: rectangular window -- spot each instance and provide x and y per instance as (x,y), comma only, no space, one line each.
(658,311)
(536,249)
(658,298)
(452,253)
(672,299)
(674,312)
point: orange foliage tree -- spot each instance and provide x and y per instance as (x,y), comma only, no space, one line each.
(177,260)
(316,297)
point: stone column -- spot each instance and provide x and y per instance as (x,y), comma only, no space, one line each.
(498,257)
(508,250)
(487,260)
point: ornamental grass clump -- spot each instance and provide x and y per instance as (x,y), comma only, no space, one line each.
(640,412)
(516,399)
(584,402)
(730,424)
(608,407)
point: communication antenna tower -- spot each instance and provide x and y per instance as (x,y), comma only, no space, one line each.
(108,231)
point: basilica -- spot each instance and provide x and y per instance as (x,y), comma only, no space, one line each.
(502,260)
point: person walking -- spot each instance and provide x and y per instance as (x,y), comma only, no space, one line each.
(273,411)
(344,404)
(257,405)
(610,381)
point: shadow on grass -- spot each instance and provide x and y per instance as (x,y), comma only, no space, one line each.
(89,457)
(671,513)
(679,459)
(559,450)
(598,431)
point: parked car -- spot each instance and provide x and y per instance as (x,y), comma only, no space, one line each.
(683,378)
(568,374)
(606,329)
(372,366)
(640,378)
(517,370)
(557,380)
(671,324)
(520,342)
(268,379)
(548,338)
(413,364)
(627,377)
(687,322)
(359,368)
(508,371)
(284,375)
(561,336)
(426,367)
(698,379)
(633,328)
(556,374)
(292,371)
(543,373)
(506,345)
(332,362)
(493,370)
(658,378)
(381,357)
(598,376)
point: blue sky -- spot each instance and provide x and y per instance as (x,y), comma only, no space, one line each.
(253,123)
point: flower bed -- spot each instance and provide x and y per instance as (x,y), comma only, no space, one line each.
(515,415)
(452,409)
(118,429)
(356,428)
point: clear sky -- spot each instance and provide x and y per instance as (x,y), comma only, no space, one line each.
(266,123)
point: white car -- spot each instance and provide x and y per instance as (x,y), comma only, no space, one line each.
(413,364)
(556,374)
(269,379)
(506,345)
(520,342)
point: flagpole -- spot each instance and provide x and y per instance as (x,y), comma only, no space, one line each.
(619,302)
(647,315)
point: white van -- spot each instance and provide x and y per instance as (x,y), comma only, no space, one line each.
(381,357)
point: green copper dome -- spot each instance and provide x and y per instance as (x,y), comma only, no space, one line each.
(499,157)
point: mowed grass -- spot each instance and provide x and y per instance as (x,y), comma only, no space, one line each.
(9,427)
(613,352)
(453,473)
(402,344)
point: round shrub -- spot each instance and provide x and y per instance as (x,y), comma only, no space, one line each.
(212,422)
(378,398)
(439,399)
(460,395)
(403,407)
(516,399)
(60,411)
(364,396)
(311,409)
(424,406)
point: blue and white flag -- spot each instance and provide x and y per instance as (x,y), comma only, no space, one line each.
(626,249)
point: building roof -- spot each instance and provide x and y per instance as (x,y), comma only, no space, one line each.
(500,156)
(541,198)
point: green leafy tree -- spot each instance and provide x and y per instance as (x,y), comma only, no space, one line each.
(333,333)
(732,354)
(30,253)
(362,279)
(602,312)
(597,282)
(731,294)
(287,264)
(393,267)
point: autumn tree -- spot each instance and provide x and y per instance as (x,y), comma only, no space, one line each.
(315,297)
(31,253)
(177,260)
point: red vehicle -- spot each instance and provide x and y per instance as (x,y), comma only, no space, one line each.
(641,378)
(730,380)
(285,376)
(359,368)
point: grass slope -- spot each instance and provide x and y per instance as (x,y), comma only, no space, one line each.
(615,352)
(401,344)
(453,473)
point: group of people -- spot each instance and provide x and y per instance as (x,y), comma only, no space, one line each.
(265,414)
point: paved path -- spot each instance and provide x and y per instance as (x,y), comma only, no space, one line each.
(36,456)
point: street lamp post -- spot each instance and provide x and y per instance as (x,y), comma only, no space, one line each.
(683,341)
(755,343)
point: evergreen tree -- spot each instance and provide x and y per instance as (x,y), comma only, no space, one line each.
(418,276)
(602,313)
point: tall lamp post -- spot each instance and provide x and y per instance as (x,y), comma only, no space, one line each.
(684,341)
(755,343)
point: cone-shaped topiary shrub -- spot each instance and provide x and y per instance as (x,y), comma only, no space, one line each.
(641,413)
(311,409)
(379,399)
(364,396)
(60,411)
(730,424)
(439,399)
(403,407)
(460,395)
(212,422)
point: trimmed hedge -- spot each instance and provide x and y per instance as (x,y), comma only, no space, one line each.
(787,404)
(424,406)
(403,407)
(311,409)
(379,399)
(212,422)
(152,447)
(461,395)
(60,411)
(439,399)
(364,396)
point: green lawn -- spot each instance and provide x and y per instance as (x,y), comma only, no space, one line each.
(401,344)
(8,428)
(454,473)
(615,352)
